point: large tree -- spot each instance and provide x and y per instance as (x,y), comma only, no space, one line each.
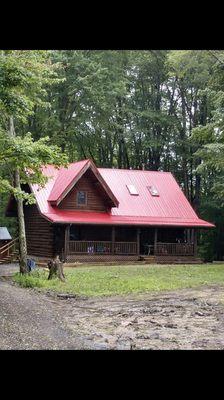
(23,77)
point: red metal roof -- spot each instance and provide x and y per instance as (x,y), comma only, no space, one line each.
(170,208)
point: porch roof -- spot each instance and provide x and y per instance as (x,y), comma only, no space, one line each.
(96,218)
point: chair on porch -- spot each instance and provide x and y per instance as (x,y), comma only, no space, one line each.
(100,248)
(90,249)
(148,249)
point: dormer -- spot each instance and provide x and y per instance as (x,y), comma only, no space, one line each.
(81,187)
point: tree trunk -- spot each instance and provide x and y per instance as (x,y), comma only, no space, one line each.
(183,137)
(56,269)
(22,232)
(202,120)
(21,222)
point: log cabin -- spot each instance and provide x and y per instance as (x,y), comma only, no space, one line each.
(90,214)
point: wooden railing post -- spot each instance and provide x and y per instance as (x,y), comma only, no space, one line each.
(113,240)
(192,235)
(195,243)
(188,235)
(67,234)
(138,241)
(155,240)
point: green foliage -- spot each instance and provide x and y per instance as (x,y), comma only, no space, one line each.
(32,279)
(121,280)
(210,139)
(28,156)
(122,108)
(211,242)
(192,67)
(206,248)
(24,75)
(24,79)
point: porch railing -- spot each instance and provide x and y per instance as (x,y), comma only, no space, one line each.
(125,248)
(128,248)
(8,249)
(175,249)
(101,247)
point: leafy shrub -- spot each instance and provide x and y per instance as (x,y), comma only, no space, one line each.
(35,278)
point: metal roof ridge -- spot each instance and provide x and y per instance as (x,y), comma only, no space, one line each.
(133,170)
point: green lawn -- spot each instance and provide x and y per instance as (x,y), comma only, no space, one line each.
(114,280)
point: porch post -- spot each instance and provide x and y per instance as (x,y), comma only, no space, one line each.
(67,234)
(192,235)
(155,239)
(188,236)
(195,242)
(113,239)
(138,241)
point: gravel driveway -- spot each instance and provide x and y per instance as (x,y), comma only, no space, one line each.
(29,320)
(32,321)
(184,319)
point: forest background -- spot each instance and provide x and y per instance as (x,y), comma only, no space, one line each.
(153,109)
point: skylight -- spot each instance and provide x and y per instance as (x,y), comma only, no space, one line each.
(153,190)
(132,190)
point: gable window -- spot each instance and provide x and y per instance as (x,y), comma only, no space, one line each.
(81,198)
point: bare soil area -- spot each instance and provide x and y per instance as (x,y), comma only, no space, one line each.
(184,319)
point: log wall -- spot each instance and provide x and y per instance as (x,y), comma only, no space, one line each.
(39,233)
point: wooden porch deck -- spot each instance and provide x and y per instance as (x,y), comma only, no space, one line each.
(108,251)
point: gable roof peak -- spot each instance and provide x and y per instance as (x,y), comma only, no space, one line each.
(68,176)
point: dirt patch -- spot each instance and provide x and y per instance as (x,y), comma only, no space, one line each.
(184,319)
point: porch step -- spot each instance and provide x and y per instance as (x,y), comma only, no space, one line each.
(178,260)
(10,258)
(100,263)
(148,259)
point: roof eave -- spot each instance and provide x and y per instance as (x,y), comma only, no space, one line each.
(125,222)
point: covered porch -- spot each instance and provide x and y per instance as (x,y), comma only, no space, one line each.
(100,242)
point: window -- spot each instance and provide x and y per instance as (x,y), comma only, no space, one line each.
(81,198)
(153,190)
(132,190)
